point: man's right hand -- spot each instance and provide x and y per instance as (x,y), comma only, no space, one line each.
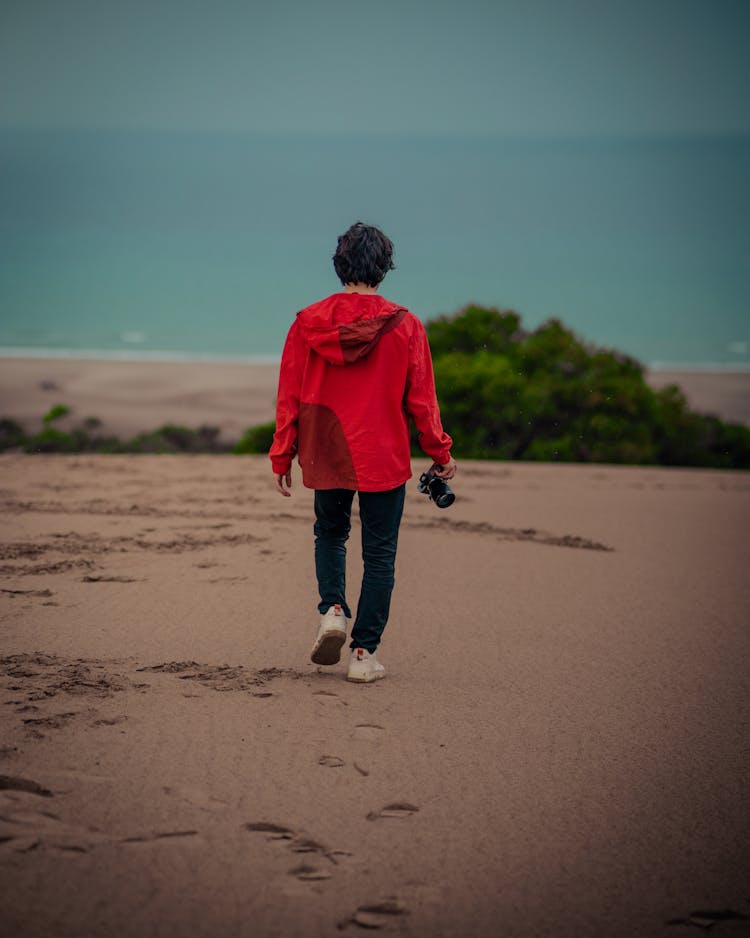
(281,478)
(448,470)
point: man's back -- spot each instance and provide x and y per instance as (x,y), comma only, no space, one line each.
(355,367)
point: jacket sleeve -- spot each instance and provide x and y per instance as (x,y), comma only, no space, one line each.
(284,446)
(421,400)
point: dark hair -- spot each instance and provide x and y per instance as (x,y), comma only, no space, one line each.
(363,255)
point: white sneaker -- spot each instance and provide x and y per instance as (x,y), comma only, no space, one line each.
(364,667)
(331,636)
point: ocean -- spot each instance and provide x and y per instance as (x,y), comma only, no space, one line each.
(180,245)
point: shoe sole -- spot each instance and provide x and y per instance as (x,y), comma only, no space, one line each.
(327,649)
(377,676)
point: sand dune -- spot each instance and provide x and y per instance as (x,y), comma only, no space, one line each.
(559,747)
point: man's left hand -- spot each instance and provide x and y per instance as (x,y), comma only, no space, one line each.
(448,470)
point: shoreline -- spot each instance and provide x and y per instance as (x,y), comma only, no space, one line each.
(135,396)
(30,353)
(128,355)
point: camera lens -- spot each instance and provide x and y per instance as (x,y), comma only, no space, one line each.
(438,489)
(440,493)
(446,499)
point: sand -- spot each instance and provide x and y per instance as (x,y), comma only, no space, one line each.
(132,397)
(724,393)
(559,748)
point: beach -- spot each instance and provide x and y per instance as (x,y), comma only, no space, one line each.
(559,746)
(131,397)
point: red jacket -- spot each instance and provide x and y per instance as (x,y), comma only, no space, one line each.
(355,367)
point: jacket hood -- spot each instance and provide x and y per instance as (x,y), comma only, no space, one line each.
(346,327)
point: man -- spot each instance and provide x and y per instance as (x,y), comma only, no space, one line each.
(355,367)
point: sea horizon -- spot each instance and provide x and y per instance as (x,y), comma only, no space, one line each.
(193,245)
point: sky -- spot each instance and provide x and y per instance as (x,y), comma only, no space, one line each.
(515,67)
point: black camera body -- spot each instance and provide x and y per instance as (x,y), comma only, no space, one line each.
(435,488)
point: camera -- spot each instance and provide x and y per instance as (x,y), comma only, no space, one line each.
(435,488)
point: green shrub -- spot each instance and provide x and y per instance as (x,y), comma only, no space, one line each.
(52,440)
(12,434)
(256,439)
(474,329)
(171,438)
(81,439)
(55,413)
(545,395)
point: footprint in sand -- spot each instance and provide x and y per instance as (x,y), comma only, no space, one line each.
(15,783)
(299,843)
(399,809)
(306,845)
(332,762)
(377,914)
(368,731)
(56,721)
(157,836)
(24,826)
(45,676)
(277,831)
(41,593)
(172,667)
(707,918)
(310,873)
(327,698)
(222,677)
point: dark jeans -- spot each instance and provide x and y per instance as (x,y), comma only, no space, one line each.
(380,514)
